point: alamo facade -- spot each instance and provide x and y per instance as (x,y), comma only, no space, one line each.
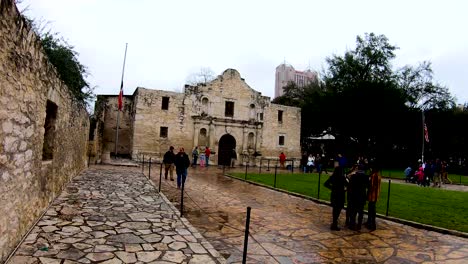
(224,114)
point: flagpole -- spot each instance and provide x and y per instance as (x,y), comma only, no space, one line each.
(118,109)
(423,136)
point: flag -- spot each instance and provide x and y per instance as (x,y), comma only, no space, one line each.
(426,134)
(120,96)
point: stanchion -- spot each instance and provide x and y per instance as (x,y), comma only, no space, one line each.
(160,177)
(149,169)
(268,168)
(182,199)
(246,168)
(246,236)
(143,165)
(274,183)
(260,169)
(318,191)
(388,196)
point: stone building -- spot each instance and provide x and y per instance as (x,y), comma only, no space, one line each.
(43,131)
(224,114)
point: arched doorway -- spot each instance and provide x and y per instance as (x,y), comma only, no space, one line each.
(226,144)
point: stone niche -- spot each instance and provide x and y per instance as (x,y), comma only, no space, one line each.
(43,130)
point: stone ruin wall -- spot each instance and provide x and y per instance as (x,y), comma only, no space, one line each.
(27,82)
(149,117)
(106,118)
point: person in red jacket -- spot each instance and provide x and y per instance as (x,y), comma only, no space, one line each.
(207,155)
(282,159)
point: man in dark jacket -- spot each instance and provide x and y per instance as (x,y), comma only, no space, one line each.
(168,161)
(337,184)
(182,163)
(358,185)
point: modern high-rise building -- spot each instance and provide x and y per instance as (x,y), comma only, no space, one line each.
(286,73)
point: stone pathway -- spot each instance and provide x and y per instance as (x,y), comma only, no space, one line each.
(288,229)
(113,215)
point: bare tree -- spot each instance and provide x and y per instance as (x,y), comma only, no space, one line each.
(203,76)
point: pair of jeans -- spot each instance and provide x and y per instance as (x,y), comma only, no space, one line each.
(195,160)
(207,160)
(181,176)
(371,215)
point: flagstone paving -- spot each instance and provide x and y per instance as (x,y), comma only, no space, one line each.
(288,229)
(113,215)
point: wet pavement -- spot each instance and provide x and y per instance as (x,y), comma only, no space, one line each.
(113,215)
(288,229)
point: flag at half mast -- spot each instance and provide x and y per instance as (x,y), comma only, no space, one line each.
(426,134)
(120,102)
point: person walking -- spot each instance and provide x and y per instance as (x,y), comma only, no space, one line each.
(182,163)
(195,154)
(207,155)
(372,197)
(168,161)
(337,184)
(282,159)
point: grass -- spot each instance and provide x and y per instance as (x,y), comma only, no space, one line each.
(437,207)
(397,174)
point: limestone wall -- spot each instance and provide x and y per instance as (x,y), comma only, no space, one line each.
(150,117)
(106,112)
(290,128)
(28,83)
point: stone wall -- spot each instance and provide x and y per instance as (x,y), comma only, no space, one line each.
(150,117)
(36,107)
(106,112)
(290,128)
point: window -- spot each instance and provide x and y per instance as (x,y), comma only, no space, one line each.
(165,103)
(163,132)
(229,110)
(49,131)
(281,140)
(261,116)
(280,116)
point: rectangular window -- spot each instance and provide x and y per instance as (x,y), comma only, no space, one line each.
(280,116)
(49,131)
(165,103)
(261,116)
(281,140)
(163,132)
(229,110)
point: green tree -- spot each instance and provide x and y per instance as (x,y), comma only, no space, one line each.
(421,91)
(65,59)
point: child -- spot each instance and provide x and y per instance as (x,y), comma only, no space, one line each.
(202,159)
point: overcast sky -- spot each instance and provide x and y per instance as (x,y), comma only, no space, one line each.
(169,40)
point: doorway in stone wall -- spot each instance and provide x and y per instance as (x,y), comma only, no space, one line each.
(226,144)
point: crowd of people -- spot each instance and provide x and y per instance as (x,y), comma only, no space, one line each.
(425,173)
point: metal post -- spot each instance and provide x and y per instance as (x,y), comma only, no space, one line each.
(260,169)
(268,168)
(143,165)
(246,236)
(160,177)
(292,167)
(388,196)
(246,168)
(149,169)
(182,199)
(318,191)
(274,183)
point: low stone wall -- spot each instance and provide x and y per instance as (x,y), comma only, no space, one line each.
(43,131)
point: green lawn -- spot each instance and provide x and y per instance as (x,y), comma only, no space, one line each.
(398,174)
(447,209)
